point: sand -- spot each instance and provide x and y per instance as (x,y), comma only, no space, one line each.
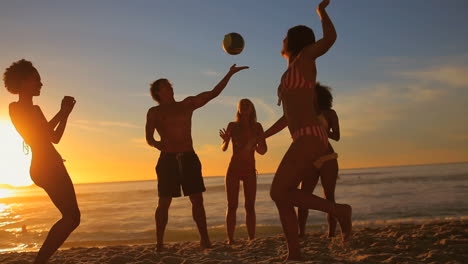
(434,242)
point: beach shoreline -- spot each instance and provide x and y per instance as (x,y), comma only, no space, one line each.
(430,242)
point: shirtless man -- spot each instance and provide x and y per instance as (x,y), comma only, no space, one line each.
(178,165)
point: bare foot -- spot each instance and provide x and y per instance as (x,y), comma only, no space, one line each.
(231,242)
(160,247)
(343,214)
(204,244)
(251,240)
(295,257)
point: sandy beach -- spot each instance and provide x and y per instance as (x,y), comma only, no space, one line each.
(434,242)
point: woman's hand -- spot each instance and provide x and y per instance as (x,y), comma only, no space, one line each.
(67,105)
(321,7)
(224,135)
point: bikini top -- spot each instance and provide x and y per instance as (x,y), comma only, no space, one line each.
(292,79)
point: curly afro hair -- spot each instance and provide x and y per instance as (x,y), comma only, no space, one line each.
(324,96)
(17,72)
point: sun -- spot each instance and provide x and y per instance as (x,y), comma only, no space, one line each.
(14,163)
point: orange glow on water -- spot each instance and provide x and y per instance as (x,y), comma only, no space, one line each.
(4,193)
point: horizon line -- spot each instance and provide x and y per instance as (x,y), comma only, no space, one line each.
(372,167)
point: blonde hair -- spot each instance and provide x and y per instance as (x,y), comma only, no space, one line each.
(253,113)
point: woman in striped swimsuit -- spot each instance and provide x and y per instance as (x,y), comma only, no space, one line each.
(297,94)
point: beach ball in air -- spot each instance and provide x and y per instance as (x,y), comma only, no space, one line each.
(233,43)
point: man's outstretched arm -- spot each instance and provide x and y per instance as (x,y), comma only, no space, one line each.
(203,98)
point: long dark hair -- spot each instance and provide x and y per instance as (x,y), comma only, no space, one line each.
(297,38)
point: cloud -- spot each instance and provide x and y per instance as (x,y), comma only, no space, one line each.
(93,125)
(454,76)
(369,109)
(85,125)
(226,100)
(382,105)
(211,73)
(140,143)
(117,124)
(266,113)
(273,112)
(421,93)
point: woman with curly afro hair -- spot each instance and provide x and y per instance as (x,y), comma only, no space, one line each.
(47,168)
(327,166)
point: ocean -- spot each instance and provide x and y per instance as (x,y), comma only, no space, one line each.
(123,212)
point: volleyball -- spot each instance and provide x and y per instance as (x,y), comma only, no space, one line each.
(233,43)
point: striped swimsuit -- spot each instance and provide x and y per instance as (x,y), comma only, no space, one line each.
(291,80)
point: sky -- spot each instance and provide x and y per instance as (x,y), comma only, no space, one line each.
(399,74)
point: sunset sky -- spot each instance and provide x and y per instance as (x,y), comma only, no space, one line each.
(399,73)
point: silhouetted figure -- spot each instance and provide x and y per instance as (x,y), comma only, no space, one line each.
(326,167)
(178,165)
(24,229)
(244,133)
(47,168)
(297,93)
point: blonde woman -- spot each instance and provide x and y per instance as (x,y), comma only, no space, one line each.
(243,132)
